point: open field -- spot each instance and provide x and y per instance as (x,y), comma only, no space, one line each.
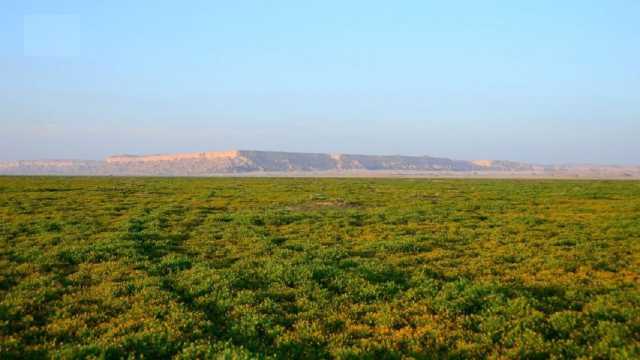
(319,268)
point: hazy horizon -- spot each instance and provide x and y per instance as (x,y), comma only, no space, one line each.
(534,81)
(319,153)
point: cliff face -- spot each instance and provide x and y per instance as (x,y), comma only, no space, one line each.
(121,159)
(202,163)
(271,161)
(247,161)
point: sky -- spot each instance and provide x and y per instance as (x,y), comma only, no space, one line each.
(537,81)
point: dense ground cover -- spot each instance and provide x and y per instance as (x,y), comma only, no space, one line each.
(318,268)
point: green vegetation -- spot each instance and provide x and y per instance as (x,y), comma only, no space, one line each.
(318,268)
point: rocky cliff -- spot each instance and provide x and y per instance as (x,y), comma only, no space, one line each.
(249,161)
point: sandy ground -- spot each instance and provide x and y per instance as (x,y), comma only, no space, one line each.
(447,175)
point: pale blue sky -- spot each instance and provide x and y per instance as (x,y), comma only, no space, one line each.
(537,81)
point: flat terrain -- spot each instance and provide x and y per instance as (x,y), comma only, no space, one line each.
(318,268)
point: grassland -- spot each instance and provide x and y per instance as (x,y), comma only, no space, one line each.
(318,268)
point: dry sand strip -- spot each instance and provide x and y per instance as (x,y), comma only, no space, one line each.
(560,175)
